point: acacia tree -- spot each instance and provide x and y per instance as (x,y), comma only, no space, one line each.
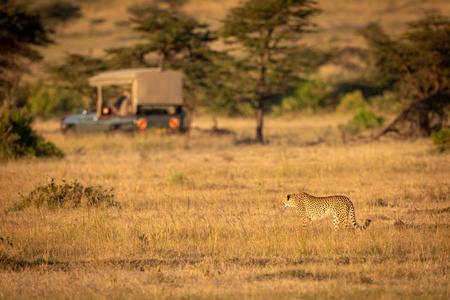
(20,32)
(417,67)
(267,31)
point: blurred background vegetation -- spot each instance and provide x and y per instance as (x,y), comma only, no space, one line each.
(389,58)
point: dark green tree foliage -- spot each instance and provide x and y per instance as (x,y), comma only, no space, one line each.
(76,70)
(18,139)
(417,67)
(175,36)
(128,57)
(20,32)
(267,30)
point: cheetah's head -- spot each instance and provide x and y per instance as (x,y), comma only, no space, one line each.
(290,201)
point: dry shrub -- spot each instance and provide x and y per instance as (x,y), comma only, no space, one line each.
(69,194)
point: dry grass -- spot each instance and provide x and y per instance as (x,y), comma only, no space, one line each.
(208,222)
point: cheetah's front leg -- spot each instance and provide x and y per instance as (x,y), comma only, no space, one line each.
(336,222)
(301,212)
(305,221)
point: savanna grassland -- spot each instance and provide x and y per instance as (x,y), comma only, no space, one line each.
(208,221)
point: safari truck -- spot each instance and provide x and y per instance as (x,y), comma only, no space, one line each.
(154,102)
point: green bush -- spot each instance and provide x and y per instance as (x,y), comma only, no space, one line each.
(46,99)
(312,94)
(42,100)
(67,194)
(353,101)
(18,139)
(362,120)
(441,139)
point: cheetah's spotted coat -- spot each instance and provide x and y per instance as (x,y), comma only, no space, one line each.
(312,208)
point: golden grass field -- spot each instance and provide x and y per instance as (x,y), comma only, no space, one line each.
(208,221)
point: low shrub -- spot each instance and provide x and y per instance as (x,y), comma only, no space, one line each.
(441,139)
(353,101)
(362,120)
(313,95)
(17,137)
(67,194)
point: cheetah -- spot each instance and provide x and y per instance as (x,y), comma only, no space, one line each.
(314,208)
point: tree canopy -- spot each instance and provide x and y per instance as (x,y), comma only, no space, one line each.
(20,32)
(417,67)
(267,31)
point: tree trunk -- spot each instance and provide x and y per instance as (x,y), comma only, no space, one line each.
(424,124)
(259,124)
(261,96)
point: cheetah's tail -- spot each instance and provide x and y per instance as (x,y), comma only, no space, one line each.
(366,224)
(364,227)
(353,220)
